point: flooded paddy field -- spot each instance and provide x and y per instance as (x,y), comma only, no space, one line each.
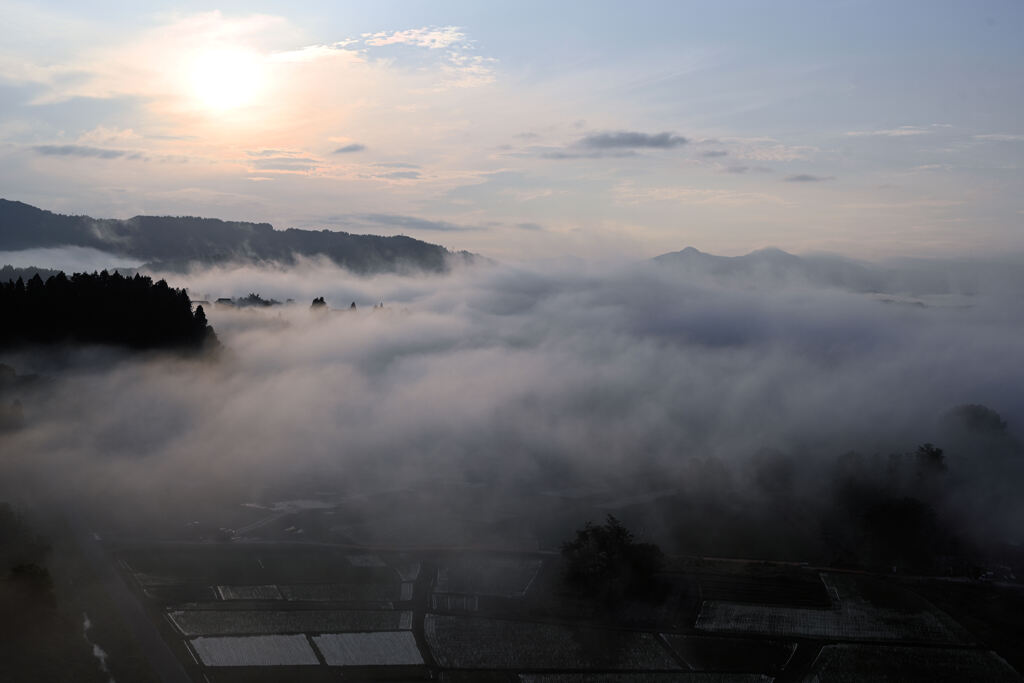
(856,617)
(386,648)
(248,564)
(254,651)
(208,622)
(708,653)
(263,611)
(854,663)
(474,643)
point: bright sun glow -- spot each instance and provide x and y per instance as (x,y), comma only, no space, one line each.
(226,78)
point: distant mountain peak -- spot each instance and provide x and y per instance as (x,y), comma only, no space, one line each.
(772,251)
(771,265)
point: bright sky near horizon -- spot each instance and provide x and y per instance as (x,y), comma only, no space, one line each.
(526,129)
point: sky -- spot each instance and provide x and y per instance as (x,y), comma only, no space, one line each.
(526,130)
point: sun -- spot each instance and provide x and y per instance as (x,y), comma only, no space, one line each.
(226,78)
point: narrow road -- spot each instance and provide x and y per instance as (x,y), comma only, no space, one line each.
(161,659)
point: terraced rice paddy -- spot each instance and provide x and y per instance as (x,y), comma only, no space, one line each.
(365,560)
(266,592)
(229,565)
(867,664)
(255,651)
(710,653)
(447,602)
(180,593)
(211,622)
(855,619)
(477,643)
(348,592)
(801,589)
(499,576)
(390,648)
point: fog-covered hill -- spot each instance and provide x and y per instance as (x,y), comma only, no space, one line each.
(773,267)
(170,243)
(9,273)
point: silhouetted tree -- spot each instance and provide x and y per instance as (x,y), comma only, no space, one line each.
(605,561)
(901,533)
(101,308)
(930,458)
(254,299)
(977,419)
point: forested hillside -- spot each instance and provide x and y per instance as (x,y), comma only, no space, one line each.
(175,242)
(101,308)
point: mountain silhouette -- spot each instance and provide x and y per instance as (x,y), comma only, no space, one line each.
(774,267)
(174,243)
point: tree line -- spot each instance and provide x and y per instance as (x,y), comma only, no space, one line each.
(101,308)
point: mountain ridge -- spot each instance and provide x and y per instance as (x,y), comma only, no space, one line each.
(773,266)
(175,242)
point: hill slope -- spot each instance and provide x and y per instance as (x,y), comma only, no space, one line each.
(174,242)
(772,267)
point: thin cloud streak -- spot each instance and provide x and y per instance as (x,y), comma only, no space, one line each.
(807,178)
(632,140)
(81,151)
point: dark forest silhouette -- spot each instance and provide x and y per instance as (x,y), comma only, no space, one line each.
(101,308)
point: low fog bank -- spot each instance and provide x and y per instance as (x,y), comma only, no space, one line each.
(605,385)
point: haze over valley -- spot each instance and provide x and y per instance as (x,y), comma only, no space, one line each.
(417,341)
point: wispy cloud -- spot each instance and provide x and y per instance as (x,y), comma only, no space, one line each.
(401,175)
(714,153)
(807,178)
(614,144)
(283,161)
(430,37)
(467,71)
(311,53)
(348,149)
(628,194)
(624,139)
(568,154)
(767,149)
(460,68)
(83,151)
(902,131)
(745,169)
(286,164)
(911,204)
(1000,137)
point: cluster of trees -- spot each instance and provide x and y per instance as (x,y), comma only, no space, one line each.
(253,299)
(946,510)
(606,562)
(101,308)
